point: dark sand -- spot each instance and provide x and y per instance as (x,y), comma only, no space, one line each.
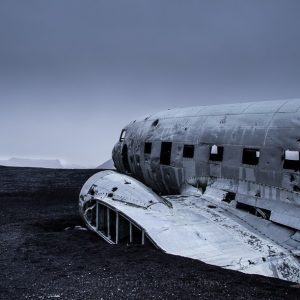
(41,260)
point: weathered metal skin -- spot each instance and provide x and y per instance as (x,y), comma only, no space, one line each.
(229,184)
(270,126)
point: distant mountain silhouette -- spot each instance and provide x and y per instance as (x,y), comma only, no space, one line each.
(28,162)
(109,164)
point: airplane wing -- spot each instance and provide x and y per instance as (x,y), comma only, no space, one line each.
(205,226)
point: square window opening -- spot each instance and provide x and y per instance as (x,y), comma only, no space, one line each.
(188,151)
(291,160)
(251,156)
(216,153)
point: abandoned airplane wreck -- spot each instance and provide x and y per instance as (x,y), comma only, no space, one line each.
(216,183)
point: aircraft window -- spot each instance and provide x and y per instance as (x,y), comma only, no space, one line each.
(291,160)
(148,148)
(216,153)
(165,153)
(188,151)
(122,136)
(250,156)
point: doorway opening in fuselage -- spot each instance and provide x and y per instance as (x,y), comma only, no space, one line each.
(165,153)
(125,159)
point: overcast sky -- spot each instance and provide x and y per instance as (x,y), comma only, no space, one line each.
(73,73)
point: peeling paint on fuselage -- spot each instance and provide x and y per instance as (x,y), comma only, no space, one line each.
(231,194)
(270,126)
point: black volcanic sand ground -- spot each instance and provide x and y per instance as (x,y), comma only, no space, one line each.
(41,260)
